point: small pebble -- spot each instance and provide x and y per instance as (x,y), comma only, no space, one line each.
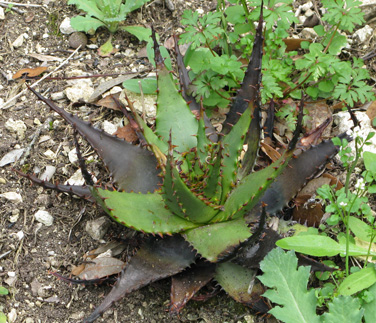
(44,217)
(76,39)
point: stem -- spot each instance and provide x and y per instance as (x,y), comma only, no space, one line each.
(347,243)
(331,38)
(373,236)
(246,11)
(207,44)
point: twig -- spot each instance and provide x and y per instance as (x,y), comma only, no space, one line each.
(21,12)
(21,4)
(37,82)
(36,135)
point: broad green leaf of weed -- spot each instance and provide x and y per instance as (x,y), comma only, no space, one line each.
(90,6)
(86,24)
(148,85)
(288,287)
(358,281)
(370,161)
(343,309)
(370,308)
(3,318)
(3,291)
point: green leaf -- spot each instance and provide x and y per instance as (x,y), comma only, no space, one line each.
(3,291)
(194,209)
(3,318)
(173,114)
(370,308)
(86,24)
(320,30)
(142,33)
(215,240)
(90,6)
(288,287)
(370,161)
(358,281)
(320,246)
(361,229)
(149,85)
(248,192)
(232,146)
(235,280)
(106,49)
(343,309)
(326,86)
(142,212)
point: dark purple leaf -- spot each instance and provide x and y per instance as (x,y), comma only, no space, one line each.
(132,168)
(156,259)
(186,284)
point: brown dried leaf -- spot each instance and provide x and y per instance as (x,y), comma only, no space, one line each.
(29,17)
(102,267)
(77,270)
(109,102)
(127,133)
(31,72)
(270,152)
(318,112)
(169,43)
(371,111)
(294,43)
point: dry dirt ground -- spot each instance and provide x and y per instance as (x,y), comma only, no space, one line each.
(25,264)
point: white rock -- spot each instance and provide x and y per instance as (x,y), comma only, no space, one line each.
(302,19)
(18,42)
(92,46)
(308,33)
(2,15)
(364,33)
(20,235)
(57,96)
(98,228)
(49,154)
(307,6)
(109,127)
(309,13)
(12,315)
(11,156)
(15,216)
(17,126)
(48,173)
(65,27)
(12,196)
(72,155)
(76,179)
(149,103)
(79,92)
(44,217)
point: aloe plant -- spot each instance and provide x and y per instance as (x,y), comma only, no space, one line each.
(187,185)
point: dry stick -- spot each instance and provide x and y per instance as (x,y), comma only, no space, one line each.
(21,4)
(13,9)
(35,136)
(4,106)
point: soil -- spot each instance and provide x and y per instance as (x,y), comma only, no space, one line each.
(35,294)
